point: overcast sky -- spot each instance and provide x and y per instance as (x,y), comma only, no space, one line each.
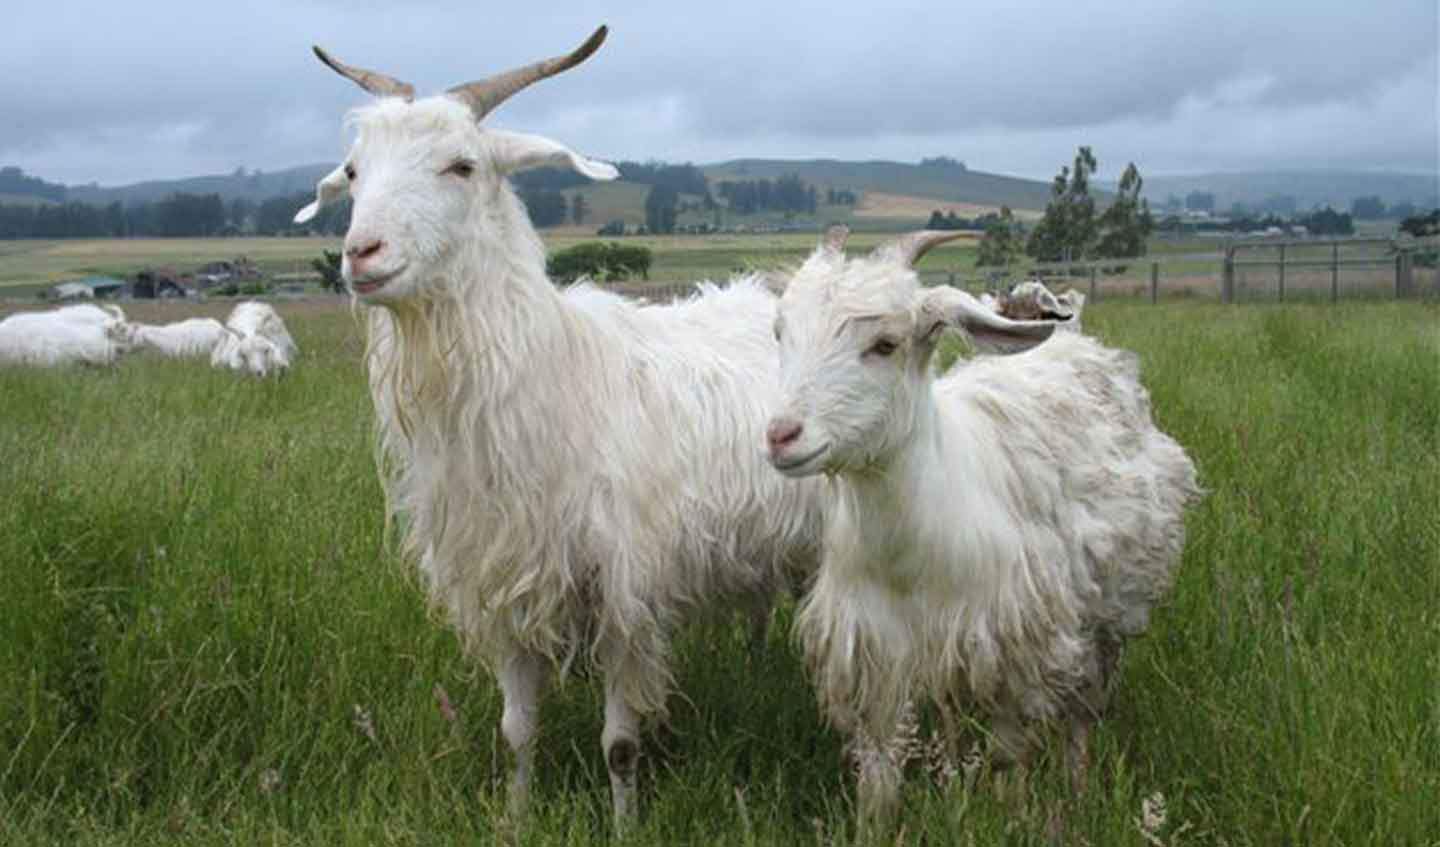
(116,92)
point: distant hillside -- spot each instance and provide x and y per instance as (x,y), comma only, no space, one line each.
(1309,188)
(252,185)
(24,200)
(952,182)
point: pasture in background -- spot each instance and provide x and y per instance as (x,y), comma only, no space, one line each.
(1188,268)
(204,637)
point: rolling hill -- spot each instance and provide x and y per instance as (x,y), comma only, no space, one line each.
(252,185)
(892,194)
(952,182)
(1309,188)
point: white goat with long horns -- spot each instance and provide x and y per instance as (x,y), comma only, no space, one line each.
(993,535)
(576,473)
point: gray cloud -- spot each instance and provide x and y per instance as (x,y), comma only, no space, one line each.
(169,88)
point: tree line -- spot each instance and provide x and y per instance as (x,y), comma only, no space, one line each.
(788,193)
(14,181)
(1072,228)
(176,216)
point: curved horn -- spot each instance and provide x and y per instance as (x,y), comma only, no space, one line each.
(372,81)
(482,96)
(834,240)
(909,248)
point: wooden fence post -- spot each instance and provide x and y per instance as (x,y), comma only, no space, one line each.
(1227,276)
(1282,272)
(1334,272)
(1094,289)
(1402,274)
(1154,282)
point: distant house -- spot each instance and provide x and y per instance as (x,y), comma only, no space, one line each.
(87,289)
(105,286)
(70,291)
(161,282)
(226,270)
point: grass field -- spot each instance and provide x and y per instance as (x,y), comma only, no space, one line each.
(204,638)
(27,266)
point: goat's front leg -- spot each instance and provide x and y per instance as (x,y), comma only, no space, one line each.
(522,681)
(621,742)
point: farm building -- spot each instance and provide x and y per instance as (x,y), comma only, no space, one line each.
(88,288)
(227,270)
(70,291)
(162,282)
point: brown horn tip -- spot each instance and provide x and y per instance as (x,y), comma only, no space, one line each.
(372,81)
(483,96)
(910,248)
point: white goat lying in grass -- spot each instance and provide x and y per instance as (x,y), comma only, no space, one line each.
(191,337)
(255,340)
(1032,301)
(84,333)
(255,318)
(994,535)
(575,473)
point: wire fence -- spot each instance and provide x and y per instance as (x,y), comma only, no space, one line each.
(1237,272)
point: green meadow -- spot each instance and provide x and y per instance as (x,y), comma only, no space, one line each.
(207,638)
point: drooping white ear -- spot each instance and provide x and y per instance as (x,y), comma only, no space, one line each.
(327,191)
(518,151)
(943,306)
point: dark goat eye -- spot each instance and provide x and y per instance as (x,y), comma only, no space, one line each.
(882,347)
(350,172)
(462,169)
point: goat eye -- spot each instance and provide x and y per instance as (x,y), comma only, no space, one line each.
(461,168)
(350,172)
(881,347)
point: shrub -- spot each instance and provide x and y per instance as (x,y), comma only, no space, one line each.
(599,261)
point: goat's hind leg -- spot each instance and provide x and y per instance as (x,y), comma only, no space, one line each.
(522,682)
(621,742)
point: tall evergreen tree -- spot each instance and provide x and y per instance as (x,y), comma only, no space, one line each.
(1068,230)
(660,209)
(1125,226)
(1001,244)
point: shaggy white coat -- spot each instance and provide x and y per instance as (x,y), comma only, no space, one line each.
(191,337)
(253,317)
(575,473)
(993,535)
(253,354)
(87,334)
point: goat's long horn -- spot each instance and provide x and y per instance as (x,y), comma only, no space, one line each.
(909,248)
(372,81)
(482,96)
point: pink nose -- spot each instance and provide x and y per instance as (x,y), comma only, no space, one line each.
(361,254)
(782,432)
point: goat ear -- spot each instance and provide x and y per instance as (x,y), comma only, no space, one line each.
(943,306)
(334,186)
(517,151)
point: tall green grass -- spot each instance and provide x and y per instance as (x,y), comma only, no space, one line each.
(205,639)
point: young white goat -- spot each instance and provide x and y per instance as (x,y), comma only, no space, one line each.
(255,318)
(73,334)
(255,340)
(993,535)
(254,354)
(575,473)
(191,337)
